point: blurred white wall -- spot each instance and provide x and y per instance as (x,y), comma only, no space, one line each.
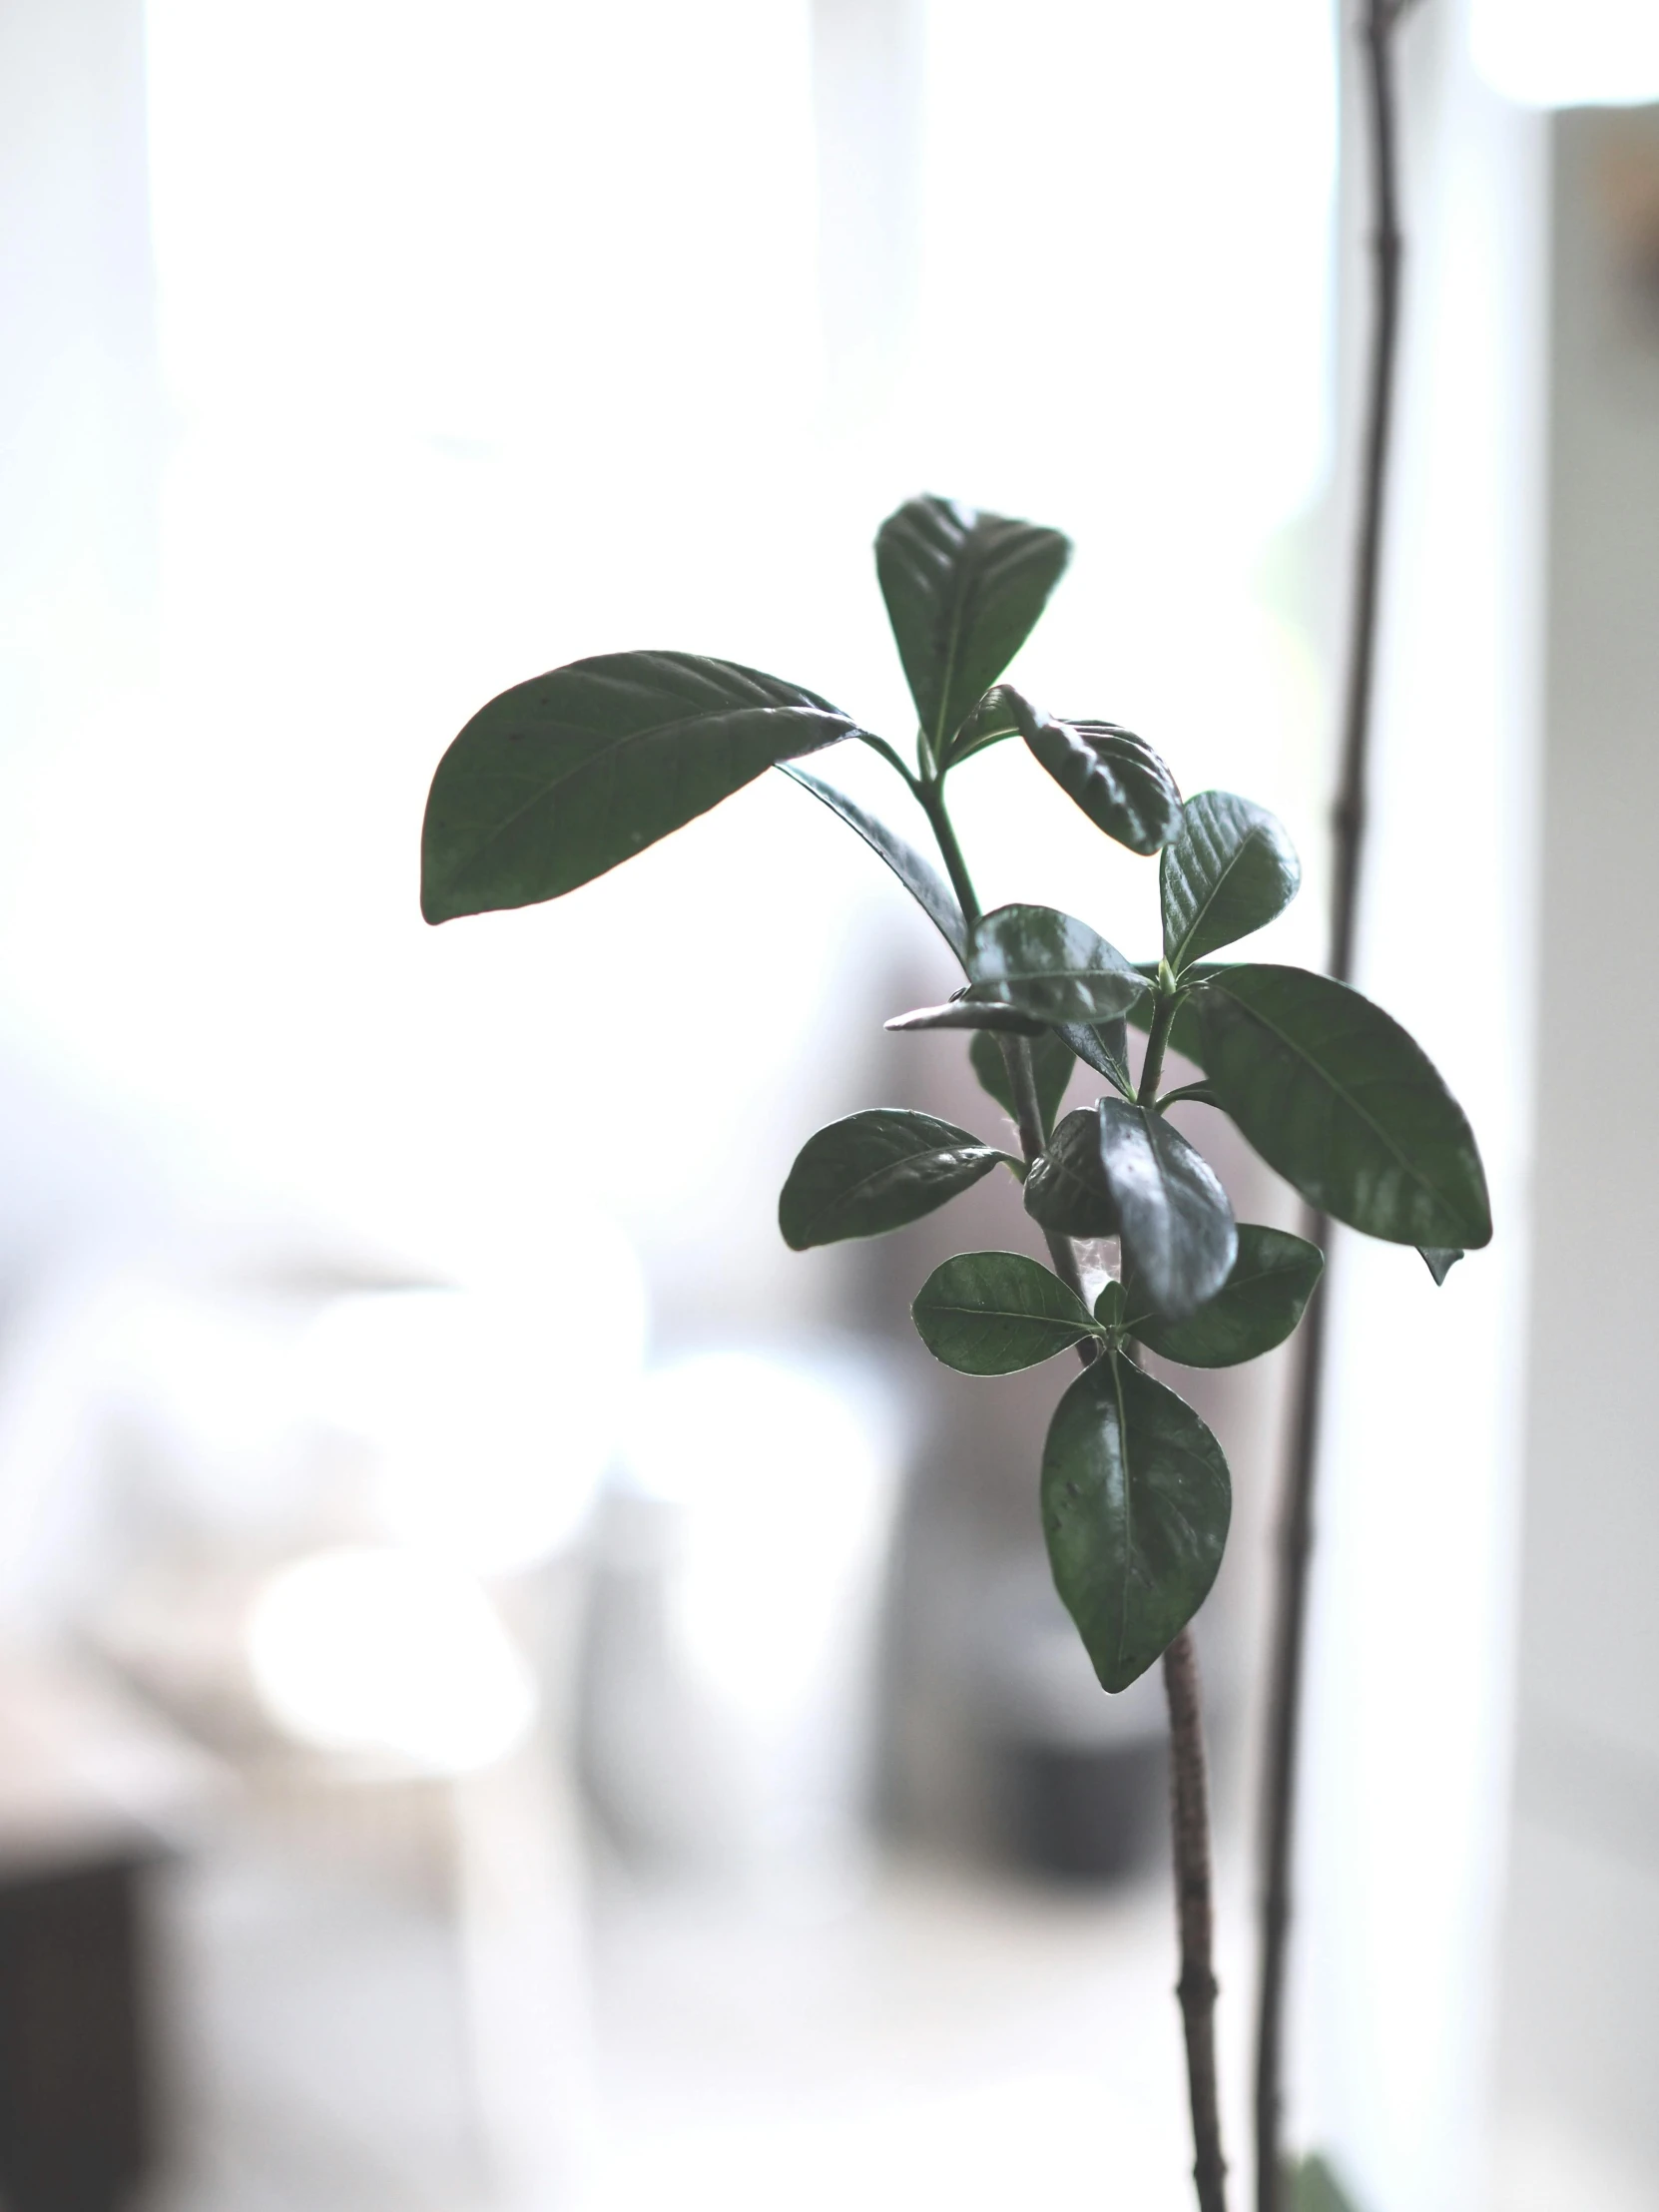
(488,347)
(1408,1718)
(1581,1935)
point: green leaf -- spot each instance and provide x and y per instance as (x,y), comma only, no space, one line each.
(1440,1260)
(1051,966)
(1109,1305)
(1333,1094)
(1135,1506)
(1176,1223)
(1116,777)
(989,1313)
(1103,1046)
(969,1013)
(1051,1066)
(877,1171)
(1315,2188)
(1066,1191)
(559,779)
(1255,1308)
(925,885)
(1230,870)
(963,592)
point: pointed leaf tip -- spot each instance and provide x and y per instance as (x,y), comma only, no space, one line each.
(1440,1260)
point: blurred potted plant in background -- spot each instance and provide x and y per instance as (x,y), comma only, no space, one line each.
(560,778)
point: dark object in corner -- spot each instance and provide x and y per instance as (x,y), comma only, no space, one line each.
(74,2097)
(1086,1811)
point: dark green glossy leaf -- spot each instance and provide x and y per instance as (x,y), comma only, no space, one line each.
(1135,1504)
(989,1313)
(1109,1305)
(1333,1094)
(1051,1066)
(877,1171)
(925,885)
(1050,966)
(1228,870)
(1114,777)
(559,779)
(963,591)
(1315,2188)
(1103,1046)
(969,1013)
(1175,1219)
(1066,1191)
(1440,1260)
(1255,1308)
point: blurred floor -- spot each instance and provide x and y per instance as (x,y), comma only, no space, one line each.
(931,2037)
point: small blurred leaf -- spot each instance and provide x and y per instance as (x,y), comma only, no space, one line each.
(1066,1191)
(1228,870)
(1256,1308)
(1315,2188)
(1135,1503)
(556,781)
(925,885)
(877,1171)
(1176,1222)
(989,1313)
(1051,1066)
(1050,966)
(963,592)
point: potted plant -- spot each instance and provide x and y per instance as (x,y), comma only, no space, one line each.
(562,778)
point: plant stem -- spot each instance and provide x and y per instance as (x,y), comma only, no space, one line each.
(1347,823)
(930,791)
(1156,1038)
(1028,1116)
(1189,1784)
(893,760)
(1197,1988)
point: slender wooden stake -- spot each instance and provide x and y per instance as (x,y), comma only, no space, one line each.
(1379,22)
(1197,1988)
